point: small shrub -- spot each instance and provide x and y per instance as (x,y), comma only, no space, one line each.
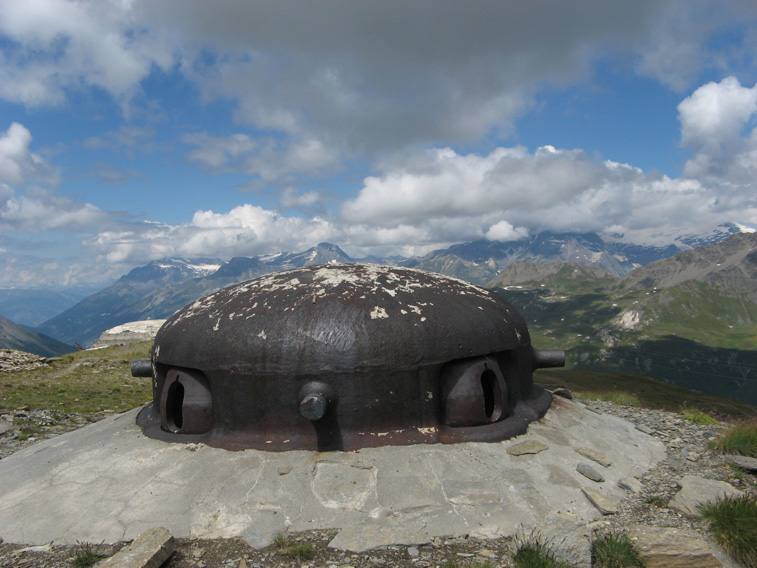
(615,551)
(616,397)
(738,473)
(699,417)
(87,555)
(656,500)
(300,551)
(733,522)
(532,552)
(280,541)
(297,550)
(739,439)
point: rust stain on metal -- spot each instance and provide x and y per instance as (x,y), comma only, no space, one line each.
(339,357)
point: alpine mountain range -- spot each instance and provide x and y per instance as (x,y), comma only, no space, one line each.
(608,303)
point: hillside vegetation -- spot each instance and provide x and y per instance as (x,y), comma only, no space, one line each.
(99,381)
(689,320)
(14,336)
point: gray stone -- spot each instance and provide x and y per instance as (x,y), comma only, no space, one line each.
(645,429)
(630,484)
(587,471)
(595,455)
(600,502)
(743,462)
(149,550)
(664,547)
(571,540)
(380,496)
(697,491)
(14,360)
(260,538)
(529,447)
(365,536)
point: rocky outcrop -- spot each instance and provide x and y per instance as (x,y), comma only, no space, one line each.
(664,547)
(149,550)
(697,491)
(13,360)
(129,333)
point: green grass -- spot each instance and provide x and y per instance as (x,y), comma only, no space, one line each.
(656,500)
(532,552)
(699,417)
(280,541)
(739,439)
(617,397)
(295,550)
(300,551)
(733,522)
(615,551)
(83,382)
(87,555)
(653,394)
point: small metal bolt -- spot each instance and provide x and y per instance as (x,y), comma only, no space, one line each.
(313,406)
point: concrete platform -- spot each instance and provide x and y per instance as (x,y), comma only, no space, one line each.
(108,482)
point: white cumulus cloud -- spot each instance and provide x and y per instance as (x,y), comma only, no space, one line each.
(246,230)
(27,201)
(264,159)
(718,126)
(57,45)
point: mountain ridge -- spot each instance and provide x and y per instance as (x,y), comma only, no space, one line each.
(14,336)
(160,288)
(690,319)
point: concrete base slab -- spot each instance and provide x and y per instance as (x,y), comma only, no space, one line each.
(107,482)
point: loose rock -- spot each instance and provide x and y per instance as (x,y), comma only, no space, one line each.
(587,471)
(744,462)
(524,448)
(671,548)
(595,455)
(602,503)
(149,550)
(697,491)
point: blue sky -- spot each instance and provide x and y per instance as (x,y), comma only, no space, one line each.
(132,130)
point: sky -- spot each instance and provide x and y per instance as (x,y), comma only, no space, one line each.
(133,130)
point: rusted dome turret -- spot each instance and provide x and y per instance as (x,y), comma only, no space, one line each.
(343,357)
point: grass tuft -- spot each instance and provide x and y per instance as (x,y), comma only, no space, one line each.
(616,397)
(300,551)
(615,551)
(280,541)
(532,552)
(739,439)
(699,417)
(295,550)
(733,522)
(656,500)
(87,555)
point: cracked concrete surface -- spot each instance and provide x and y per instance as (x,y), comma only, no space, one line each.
(108,482)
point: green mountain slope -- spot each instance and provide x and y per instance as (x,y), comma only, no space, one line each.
(690,320)
(14,336)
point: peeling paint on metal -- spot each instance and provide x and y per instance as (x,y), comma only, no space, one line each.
(378,312)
